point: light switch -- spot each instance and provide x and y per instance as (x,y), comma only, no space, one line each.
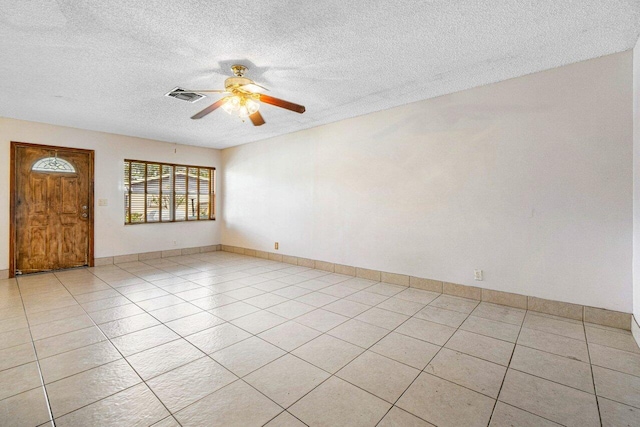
(103,202)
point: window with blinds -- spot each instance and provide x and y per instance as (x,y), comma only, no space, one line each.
(161,192)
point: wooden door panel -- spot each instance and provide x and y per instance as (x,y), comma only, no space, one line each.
(69,195)
(35,248)
(38,242)
(71,247)
(52,210)
(68,242)
(38,195)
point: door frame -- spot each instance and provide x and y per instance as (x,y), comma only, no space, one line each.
(13,198)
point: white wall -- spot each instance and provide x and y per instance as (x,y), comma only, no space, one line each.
(112,237)
(529,179)
(636,181)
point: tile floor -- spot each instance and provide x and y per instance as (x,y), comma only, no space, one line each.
(219,339)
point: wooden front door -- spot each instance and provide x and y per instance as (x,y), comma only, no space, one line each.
(52,208)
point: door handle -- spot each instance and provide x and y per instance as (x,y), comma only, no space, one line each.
(85,215)
(84,208)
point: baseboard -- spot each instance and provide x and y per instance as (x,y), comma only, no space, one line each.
(120,259)
(4,274)
(598,316)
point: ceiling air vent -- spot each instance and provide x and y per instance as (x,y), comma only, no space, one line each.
(180,94)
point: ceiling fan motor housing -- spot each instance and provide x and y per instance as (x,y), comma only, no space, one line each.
(235,82)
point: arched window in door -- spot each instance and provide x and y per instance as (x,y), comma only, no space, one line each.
(53,164)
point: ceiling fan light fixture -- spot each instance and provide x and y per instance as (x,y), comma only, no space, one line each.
(252,106)
(232,105)
(242,106)
(247,107)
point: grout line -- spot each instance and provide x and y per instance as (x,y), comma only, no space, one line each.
(617,401)
(593,378)
(549,352)
(106,397)
(551,381)
(553,333)
(529,412)
(287,413)
(515,344)
(35,352)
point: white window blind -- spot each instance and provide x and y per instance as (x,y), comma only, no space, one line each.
(162,192)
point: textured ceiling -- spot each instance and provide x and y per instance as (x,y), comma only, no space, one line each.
(106,65)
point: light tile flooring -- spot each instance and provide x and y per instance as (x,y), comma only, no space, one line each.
(219,339)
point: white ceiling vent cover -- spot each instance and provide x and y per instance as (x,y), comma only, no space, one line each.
(178,93)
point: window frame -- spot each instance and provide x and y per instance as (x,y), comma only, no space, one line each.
(172,194)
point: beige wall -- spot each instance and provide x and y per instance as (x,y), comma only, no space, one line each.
(112,237)
(636,183)
(529,179)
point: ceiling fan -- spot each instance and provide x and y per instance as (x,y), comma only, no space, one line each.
(242,98)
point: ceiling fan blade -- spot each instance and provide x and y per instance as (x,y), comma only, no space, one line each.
(256,87)
(201,91)
(256,119)
(282,103)
(210,108)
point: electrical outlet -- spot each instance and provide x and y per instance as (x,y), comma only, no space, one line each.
(103,202)
(477,275)
(276,246)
